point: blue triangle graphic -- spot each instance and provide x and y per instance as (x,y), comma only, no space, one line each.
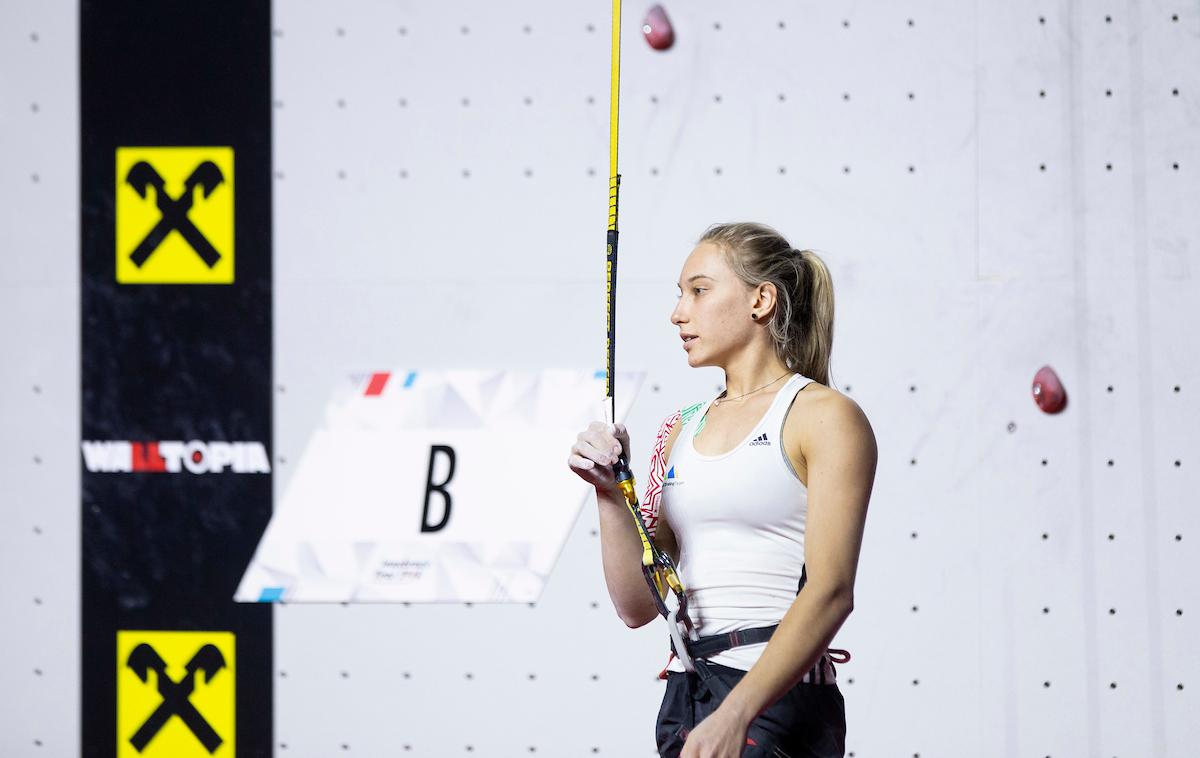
(671,473)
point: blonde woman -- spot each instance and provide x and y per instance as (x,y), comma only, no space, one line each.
(760,497)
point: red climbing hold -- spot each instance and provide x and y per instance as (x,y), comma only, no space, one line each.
(1048,391)
(657,28)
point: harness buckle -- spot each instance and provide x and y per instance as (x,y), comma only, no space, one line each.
(678,640)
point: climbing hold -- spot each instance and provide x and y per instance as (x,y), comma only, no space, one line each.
(657,29)
(1048,391)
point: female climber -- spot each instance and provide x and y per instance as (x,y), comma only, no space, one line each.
(759,495)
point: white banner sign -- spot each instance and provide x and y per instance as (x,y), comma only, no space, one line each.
(433,486)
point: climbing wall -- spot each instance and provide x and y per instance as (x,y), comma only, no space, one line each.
(996,187)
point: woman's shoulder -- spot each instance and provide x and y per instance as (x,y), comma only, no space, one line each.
(832,400)
(818,397)
(817,405)
(814,389)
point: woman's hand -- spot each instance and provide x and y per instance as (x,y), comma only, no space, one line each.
(595,450)
(721,734)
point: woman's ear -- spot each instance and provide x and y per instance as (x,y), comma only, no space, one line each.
(765,300)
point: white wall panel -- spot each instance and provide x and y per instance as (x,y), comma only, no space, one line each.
(951,162)
(39,380)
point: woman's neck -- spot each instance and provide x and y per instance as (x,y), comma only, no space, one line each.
(748,379)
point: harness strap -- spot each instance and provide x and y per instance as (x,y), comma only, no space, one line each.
(719,643)
(706,647)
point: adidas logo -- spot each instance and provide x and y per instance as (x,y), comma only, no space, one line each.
(761,440)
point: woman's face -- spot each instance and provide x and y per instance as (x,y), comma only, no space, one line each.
(714,308)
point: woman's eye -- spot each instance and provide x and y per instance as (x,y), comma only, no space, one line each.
(697,290)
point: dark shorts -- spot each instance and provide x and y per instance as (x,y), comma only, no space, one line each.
(808,721)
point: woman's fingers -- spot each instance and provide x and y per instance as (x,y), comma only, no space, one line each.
(595,446)
(590,471)
(595,449)
(613,438)
(622,437)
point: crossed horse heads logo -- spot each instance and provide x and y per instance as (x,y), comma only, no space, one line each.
(206,176)
(176,695)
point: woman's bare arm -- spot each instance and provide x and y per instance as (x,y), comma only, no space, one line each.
(621,550)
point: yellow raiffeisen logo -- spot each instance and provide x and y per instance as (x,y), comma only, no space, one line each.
(175,694)
(174,208)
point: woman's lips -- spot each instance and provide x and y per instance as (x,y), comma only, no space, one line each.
(688,342)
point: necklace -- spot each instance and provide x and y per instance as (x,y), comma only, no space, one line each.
(718,401)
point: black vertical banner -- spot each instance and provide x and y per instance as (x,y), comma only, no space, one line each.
(175,290)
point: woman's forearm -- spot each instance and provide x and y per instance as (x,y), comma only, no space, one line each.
(621,550)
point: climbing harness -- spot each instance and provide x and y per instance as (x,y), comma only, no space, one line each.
(705,647)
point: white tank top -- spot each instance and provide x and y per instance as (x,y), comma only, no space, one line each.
(739,519)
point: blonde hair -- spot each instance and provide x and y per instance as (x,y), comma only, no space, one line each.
(801,325)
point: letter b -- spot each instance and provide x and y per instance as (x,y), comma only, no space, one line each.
(440,488)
